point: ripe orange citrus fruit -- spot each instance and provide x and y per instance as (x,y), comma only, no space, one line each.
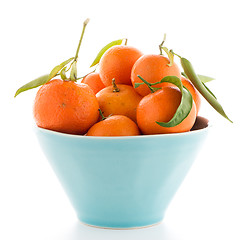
(65,106)
(117,125)
(153,68)
(117,62)
(94,81)
(161,106)
(119,99)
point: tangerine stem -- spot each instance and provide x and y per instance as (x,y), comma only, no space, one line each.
(80,41)
(163,41)
(115,88)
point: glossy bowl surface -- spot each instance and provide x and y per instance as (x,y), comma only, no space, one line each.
(122,182)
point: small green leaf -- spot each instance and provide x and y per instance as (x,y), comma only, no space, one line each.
(58,68)
(104,49)
(33,84)
(174,80)
(73,73)
(201,87)
(136,85)
(170,55)
(205,79)
(185,105)
(63,73)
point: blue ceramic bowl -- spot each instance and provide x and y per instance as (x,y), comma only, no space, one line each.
(122,182)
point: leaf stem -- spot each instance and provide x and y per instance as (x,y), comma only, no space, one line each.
(175,54)
(152,89)
(80,41)
(101,114)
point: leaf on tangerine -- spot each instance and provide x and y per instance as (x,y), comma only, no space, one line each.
(63,73)
(104,49)
(58,68)
(170,55)
(33,84)
(201,87)
(205,79)
(185,105)
(73,73)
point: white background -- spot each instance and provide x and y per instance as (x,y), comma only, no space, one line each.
(37,35)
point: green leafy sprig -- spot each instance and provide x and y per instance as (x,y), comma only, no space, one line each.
(185,105)
(197,80)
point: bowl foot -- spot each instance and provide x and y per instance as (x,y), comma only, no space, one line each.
(121,228)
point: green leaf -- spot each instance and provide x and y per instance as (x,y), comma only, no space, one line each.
(201,87)
(136,85)
(33,84)
(58,68)
(205,79)
(209,90)
(170,55)
(104,49)
(185,105)
(63,73)
(43,79)
(73,73)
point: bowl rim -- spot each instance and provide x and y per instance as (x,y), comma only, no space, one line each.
(193,132)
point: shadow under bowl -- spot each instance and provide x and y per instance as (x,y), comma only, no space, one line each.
(122,182)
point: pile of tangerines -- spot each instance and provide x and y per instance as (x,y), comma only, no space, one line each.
(125,95)
(106,102)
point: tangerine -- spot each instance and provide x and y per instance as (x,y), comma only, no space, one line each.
(161,106)
(94,81)
(117,62)
(153,68)
(117,125)
(119,99)
(65,106)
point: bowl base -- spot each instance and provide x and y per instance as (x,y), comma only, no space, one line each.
(120,228)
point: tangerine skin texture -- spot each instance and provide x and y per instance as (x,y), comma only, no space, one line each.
(117,125)
(123,102)
(195,93)
(65,106)
(152,68)
(117,63)
(161,106)
(94,81)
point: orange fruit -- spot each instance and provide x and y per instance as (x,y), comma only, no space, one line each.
(195,93)
(117,125)
(119,100)
(94,81)
(153,68)
(65,106)
(117,62)
(161,106)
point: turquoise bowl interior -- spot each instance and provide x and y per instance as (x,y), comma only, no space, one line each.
(122,182)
